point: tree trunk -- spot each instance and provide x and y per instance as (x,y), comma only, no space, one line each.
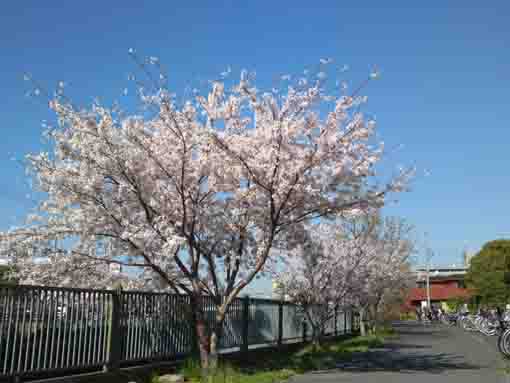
(213,350)
(208,342)
(372,319)
(362,328)
(316,336)
(378,315)
(203,345)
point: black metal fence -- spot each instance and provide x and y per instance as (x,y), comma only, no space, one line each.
(51,331)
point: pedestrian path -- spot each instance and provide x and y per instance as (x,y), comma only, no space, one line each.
(418,354)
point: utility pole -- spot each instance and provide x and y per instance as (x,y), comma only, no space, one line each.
(429,255)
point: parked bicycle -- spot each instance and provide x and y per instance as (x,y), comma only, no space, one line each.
(488,322)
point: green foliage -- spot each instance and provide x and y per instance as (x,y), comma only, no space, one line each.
(408,316)
(385,331)
(3,272)
(5,278)
(153,377)
(228,373)
(454,304)
(489,273)
(191,369)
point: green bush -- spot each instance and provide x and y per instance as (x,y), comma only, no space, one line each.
(408,316)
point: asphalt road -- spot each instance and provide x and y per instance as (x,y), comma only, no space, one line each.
(422,353)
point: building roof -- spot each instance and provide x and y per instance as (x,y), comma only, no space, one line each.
(438,293)
(454,269)
(436,273)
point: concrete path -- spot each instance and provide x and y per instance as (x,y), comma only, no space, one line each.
(422,353)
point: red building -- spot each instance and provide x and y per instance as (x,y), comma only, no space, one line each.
(446,283)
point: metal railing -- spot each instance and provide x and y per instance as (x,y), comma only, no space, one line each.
(55,331)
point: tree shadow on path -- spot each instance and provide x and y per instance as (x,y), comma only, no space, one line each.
(395,361)
(400,355)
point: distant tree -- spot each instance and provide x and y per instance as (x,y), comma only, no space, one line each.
(488,273)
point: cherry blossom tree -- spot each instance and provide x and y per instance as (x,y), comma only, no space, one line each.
(348,262)
(388,272)
(329,267)
(198,194)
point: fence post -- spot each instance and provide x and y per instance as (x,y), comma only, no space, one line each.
(280,323)
(114,335)
(345,321)
(305,325)
(245,323)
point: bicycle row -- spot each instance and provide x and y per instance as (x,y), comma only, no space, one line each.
(495,322)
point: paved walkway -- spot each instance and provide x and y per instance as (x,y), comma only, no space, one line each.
(422,353)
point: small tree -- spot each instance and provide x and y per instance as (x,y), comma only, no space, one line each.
(199,194)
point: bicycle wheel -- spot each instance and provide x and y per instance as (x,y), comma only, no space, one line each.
(486,328)
(503,343)
(506,344)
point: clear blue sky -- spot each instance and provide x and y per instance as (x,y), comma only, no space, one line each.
(444,93)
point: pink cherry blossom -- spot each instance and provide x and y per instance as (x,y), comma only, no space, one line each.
(200,195)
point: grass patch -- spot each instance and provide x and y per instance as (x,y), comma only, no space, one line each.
(386,332)
(272,366)
(232,373)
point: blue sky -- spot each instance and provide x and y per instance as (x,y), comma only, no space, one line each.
(444,92)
